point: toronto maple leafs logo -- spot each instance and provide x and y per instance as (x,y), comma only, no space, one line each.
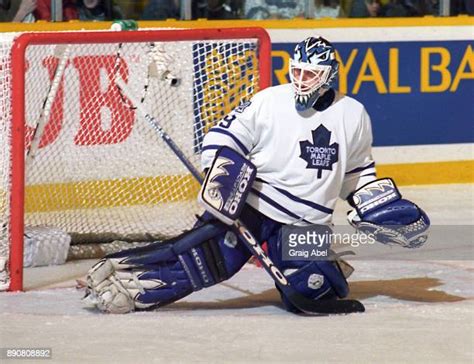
(315,281)
(319,154)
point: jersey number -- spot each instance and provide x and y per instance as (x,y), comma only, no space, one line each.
(228,119)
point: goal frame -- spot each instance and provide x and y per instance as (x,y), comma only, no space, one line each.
(18,103)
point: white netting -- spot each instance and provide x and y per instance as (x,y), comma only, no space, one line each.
(99,167)
(5,120)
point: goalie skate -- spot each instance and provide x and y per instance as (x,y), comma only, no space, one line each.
(105,291)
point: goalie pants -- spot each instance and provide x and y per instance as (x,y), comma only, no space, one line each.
(211,253)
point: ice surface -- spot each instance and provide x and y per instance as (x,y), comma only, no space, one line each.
(418,311)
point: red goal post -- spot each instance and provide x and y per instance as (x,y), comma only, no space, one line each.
(93,164)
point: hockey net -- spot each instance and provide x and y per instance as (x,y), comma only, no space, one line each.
(75,153)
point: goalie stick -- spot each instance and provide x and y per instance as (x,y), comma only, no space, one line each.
(306,305)
(161,132)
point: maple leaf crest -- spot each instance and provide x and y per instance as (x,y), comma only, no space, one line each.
(319,154)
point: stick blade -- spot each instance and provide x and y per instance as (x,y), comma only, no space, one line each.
(325,307)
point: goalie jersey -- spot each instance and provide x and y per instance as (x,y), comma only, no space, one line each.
(305,160)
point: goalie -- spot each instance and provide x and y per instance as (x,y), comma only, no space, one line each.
(283,158)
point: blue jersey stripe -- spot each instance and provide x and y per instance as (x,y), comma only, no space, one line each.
(371,165)
(234,138)
(311,204)
(277,206)
(211,147)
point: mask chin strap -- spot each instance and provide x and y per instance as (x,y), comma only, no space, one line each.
(325,100)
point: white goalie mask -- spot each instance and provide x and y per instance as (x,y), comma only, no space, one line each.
(312,71)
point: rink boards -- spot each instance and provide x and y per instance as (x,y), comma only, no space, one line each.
(414,76)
